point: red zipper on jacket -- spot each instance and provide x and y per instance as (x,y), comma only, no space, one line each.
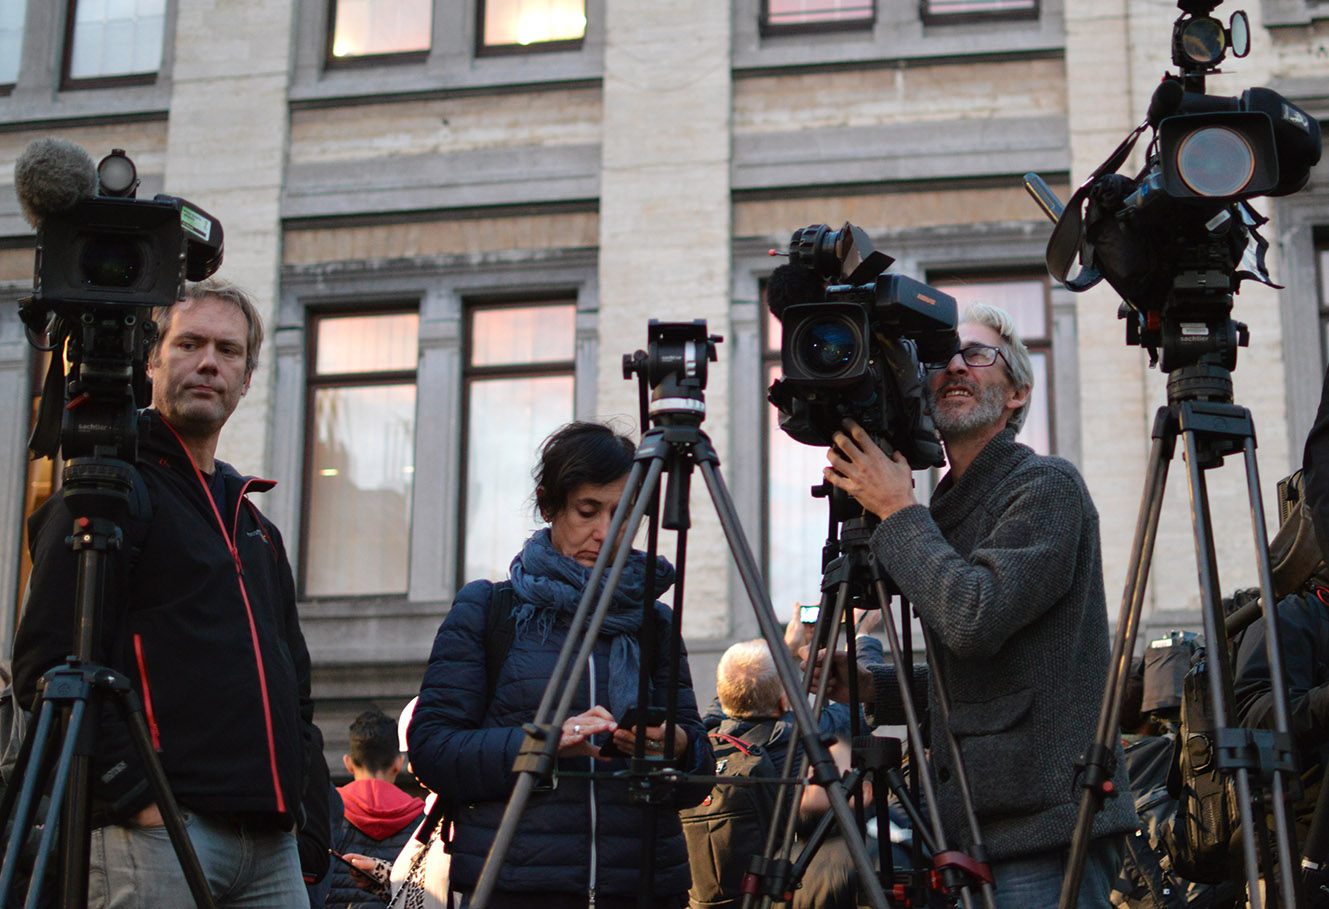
(249,610)
(147,692)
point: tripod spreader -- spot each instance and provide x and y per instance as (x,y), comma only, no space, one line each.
(1262,751)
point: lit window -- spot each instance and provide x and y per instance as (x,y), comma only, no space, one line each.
(1026,299)
(519,389)
(940,9)
(812,12)
(526,22)
(116,38)
(368,27)
(361,454)
(12,14)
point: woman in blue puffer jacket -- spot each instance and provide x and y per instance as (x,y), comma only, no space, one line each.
(579,842)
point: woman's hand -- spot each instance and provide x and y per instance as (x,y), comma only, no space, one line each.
(369,874)
(626,739)
(577,731)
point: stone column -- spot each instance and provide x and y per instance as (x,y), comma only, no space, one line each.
(226,153)
(665,227)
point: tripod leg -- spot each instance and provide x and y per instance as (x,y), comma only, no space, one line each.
(784,664)
(917,745)
(1128,623)
(1215,633)
(1284,824)
(59,789)
(30,758)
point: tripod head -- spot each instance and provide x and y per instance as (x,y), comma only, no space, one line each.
(674,366)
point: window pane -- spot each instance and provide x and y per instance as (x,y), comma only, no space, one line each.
(508,419)
(957,7)
(1037,430)
(117,38)
(350,344)
(796,522)
(533,21)
(1024,300)
(800,12)
(526,334)
(12,14)
(381,27)
(360,490)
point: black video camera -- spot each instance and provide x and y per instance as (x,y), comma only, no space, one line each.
(103,262)
(1176,240)
(854,343)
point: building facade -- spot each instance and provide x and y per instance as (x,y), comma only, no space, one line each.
(459,216)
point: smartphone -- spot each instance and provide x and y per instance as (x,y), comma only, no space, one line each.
(341,858)
(631,718)
(808,614)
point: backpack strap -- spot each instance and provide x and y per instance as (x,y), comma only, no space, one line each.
(500,631)
(744,746)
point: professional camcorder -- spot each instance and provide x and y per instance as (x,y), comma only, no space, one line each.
(104,260)
(1176,240)
(854,343)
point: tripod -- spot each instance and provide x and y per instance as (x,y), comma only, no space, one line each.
(1201,412)
(855,573)
(676,372)
(99,436)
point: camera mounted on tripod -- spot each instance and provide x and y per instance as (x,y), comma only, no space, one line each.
(1176,240)
(854,343)
(104,260)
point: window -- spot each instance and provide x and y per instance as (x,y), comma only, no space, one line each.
(532,22)
(12,14)
(796,523)
(364,28)
(1026,299)
(519,389)
(361,454)
(815,12)
(956,9)
(114,38)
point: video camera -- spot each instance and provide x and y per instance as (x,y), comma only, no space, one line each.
(1176,240)
(104,260)
(854,342)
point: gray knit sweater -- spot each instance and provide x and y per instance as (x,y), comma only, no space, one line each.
(1006,573)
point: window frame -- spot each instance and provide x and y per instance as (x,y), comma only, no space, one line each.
(933,17)
(70,83)
(315,381)
(471,374)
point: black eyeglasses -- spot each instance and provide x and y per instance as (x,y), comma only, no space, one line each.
(974,355)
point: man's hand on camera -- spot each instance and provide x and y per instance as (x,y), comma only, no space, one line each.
(880,484)
(837,689)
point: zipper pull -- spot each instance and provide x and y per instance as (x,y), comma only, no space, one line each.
(590,898)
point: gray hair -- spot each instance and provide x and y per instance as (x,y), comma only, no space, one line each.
(231,293)
(747,682)
(1015,356)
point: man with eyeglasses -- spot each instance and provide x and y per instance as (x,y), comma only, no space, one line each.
(1005,571)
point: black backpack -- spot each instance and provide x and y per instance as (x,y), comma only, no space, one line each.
(1200,838)
(730,824)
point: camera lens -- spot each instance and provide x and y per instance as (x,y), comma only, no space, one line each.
(825,347)
(110,262)
(1215,161)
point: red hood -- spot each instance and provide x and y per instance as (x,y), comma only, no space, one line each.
(379,808)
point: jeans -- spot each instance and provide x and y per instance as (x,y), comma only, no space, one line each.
(1034,881)
(137,866)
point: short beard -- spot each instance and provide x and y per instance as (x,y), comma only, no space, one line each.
(990,404)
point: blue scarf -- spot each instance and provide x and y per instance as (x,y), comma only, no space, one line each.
(548,585)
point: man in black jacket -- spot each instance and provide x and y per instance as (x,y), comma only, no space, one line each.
(200,614)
